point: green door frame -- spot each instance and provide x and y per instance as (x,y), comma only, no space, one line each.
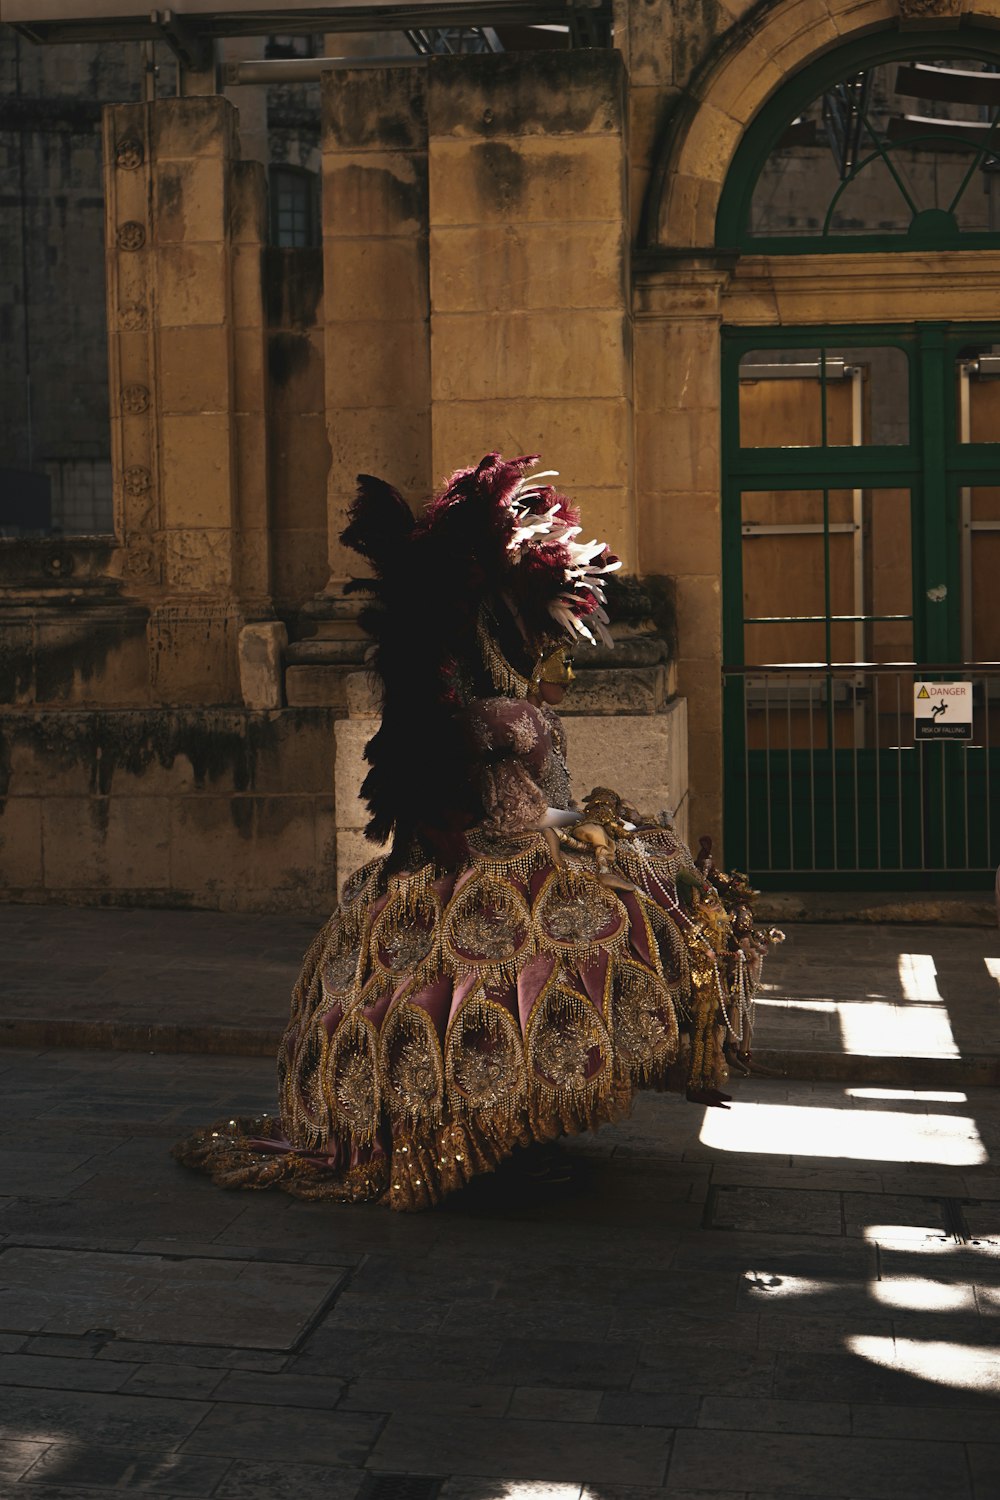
(933,465)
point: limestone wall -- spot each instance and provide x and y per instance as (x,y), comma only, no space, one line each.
(474,290)
(225,809)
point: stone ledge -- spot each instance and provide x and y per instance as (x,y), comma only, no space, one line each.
(220,1040)
(320,651)
(316,686)
(639,691)
(972,1071)
(951,908)
(124,1036)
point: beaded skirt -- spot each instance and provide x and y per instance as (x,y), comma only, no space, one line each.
(443,1019)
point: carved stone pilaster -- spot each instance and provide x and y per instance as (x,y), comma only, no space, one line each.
(132,365)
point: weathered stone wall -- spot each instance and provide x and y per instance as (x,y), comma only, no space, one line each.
(225,809)
(531,335)
(473,291)
(298,444)
(375,244)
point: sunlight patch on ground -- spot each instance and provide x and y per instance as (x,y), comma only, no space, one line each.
(967,1367)
(527,1489)
(855,1135)
(915,1294)
(918,978)
(822,1005)
(774,1286)
(909,1294)
(917,1096)
(894,1234)
(880,1029)
(993,968)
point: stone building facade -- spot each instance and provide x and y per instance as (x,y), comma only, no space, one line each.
(519,251)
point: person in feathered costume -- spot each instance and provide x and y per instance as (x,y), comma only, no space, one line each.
(513,965)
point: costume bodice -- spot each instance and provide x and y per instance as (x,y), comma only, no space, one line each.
(521,751)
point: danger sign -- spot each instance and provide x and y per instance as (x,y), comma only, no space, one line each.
(942,710)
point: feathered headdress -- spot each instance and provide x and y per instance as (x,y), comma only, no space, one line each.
(463,602)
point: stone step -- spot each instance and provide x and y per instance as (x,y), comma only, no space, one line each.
(954,908)
(235,1040)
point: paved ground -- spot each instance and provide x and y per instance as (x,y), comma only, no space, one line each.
(870,1003)
(851,995)
(796,1297)
(178,980)
(696,1313)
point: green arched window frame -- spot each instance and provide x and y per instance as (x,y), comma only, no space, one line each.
(931,230)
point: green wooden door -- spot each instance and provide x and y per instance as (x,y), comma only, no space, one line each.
(861,552)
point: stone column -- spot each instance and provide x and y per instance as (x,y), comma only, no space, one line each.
(376,294)
(531,330)
(131,346)
(248,222)
(678,470)
(189,472)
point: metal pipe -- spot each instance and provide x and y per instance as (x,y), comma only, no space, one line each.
(22,171)
(307,69)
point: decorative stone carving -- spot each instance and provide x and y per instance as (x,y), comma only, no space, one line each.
(129,153)
(136,481)
(930,10)
(139,561)
(134,400)
(132,317)
(131,235)
(58,562)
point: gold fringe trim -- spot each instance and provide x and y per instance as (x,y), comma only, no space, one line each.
(510,856)
(569,887)
(485,1068)
(408,928)
(563,1032)
(352,1081)
(644,1025)
(308,1117)
(664,934)
(364,885)
(503,676)
(487,910)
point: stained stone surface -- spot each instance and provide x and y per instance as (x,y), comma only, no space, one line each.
(152,1298)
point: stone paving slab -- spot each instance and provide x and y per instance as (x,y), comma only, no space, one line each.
(606,1339)
(212,1301)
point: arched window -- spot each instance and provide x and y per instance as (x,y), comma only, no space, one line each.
(891,143)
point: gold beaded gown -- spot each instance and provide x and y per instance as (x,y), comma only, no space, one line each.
(446,1015)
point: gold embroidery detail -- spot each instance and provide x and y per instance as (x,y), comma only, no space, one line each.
(487,930)
(644,1024)
(412,1067)
(351,1080)
(485,1062)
